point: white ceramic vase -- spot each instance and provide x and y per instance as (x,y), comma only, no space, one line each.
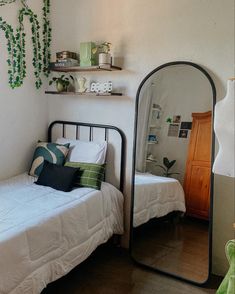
(81,84)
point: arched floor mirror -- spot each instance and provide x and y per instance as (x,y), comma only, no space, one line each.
(171,222)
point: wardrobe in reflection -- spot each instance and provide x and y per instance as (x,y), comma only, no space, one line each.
(172,179)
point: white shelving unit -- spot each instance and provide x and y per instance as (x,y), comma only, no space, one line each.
(153,129)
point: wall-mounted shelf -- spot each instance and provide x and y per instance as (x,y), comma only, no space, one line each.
(85,68)
(155,127)
(151,160)
(152,142)
(83,94)
(156,109)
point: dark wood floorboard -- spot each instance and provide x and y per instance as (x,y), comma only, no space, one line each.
(109,270)
(180,248)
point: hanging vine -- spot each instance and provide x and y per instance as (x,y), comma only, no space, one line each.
(12,53)
(46,37)
(16,44)
(3,2)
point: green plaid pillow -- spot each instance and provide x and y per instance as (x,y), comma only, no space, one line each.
(90,175)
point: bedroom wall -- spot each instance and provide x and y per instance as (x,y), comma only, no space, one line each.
(23,111)
(146,34)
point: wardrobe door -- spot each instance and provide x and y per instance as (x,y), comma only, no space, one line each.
(198,167)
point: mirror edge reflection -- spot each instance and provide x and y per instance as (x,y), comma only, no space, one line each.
(213,88)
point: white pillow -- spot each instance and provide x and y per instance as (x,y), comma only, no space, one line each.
(83,151)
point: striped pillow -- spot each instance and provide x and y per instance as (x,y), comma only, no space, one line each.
(90,175)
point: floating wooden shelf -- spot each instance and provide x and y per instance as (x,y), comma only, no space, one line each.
(83,94)
(152,142)
(85,68)
(151,161)
(155,127)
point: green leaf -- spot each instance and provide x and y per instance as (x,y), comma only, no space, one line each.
(162,167)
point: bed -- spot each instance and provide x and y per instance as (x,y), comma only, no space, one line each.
(156,197)
(45,233)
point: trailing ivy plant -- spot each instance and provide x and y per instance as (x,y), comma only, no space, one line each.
(37,57)
(4,2)
(46,37)
(16,44)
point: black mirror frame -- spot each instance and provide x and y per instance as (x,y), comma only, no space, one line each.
(200,68)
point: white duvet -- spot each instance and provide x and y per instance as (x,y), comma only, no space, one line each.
(155,197)
(45,233)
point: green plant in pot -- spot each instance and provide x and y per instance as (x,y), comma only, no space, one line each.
(62,82)
(104,54)
(167,165)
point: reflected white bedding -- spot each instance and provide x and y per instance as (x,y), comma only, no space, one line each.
(155,197)
(45,233)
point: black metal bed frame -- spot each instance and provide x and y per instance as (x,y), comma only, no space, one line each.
(91,127)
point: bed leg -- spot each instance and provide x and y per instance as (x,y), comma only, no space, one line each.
(116,240)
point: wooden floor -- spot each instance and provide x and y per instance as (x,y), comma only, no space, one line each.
(109,270)
(178,247)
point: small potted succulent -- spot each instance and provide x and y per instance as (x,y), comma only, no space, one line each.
(104,55)
(62,82)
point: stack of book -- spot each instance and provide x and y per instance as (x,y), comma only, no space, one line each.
(65,59)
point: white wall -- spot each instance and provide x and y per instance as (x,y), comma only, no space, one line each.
(23,111)
(146,34)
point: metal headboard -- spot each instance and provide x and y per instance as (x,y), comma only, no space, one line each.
(91,127)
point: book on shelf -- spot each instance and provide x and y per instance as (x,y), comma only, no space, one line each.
(64,63)
(67,60)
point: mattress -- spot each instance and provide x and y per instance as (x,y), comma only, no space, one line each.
(45,233)
(155,197)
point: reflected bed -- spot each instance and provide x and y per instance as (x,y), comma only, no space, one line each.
(156,197)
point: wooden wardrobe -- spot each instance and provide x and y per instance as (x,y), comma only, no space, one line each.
(198,167)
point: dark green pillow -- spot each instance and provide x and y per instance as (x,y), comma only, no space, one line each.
(90,175)
(52,152)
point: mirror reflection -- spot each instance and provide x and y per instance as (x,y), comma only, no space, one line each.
(173,172)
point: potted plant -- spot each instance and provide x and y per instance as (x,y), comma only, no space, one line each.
(167,166)
(61,82)
(104,55)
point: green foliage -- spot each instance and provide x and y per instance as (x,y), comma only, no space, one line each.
(16,44)
(105,47)
(167,166)
(46,37)
(4,2)
(64,81)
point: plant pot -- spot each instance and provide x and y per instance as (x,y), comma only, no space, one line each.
(60,87)
(105,59)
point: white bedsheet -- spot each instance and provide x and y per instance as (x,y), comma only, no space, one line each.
(155,197)
(45,233)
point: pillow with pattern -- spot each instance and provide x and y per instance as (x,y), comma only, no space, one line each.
(90,175)
(52,152)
